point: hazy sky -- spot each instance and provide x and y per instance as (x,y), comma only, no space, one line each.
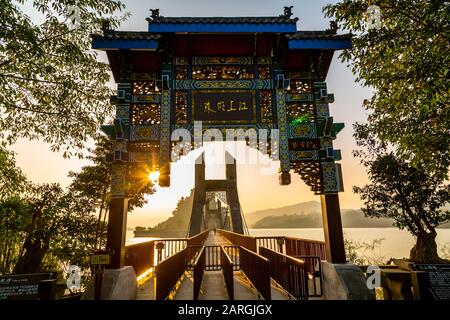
(256,191)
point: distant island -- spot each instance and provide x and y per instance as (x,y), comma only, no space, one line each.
(308,215)
(300,215)
(174,227)
(350,219)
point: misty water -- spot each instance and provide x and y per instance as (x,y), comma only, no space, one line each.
(395,244)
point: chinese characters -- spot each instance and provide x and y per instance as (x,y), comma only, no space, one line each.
(222,106)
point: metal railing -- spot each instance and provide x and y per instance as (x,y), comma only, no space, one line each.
(141,256)
(227,270)
(233,254)
(213,258)
(288,272)
(256,269)
(273,243)
(199,270)
(168,273)
(311,251)
(239,239)
(314,270)
(302,247)
(288,245)
(169,246)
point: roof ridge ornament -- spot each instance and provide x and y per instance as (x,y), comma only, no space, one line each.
(333,27)
(155,14)
(106,26)
(287,12)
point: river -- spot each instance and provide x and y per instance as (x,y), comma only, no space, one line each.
(395,243)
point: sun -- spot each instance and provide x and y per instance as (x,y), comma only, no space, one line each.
(154,176)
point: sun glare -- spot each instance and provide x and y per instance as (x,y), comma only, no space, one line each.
(154,176)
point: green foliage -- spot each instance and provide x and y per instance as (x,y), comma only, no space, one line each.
(407,64)
(12,180)
(44,227)
(13,219)
(51,85)
(178,223)
(364,253)
(412,197)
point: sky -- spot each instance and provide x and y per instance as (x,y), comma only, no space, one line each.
(257,184)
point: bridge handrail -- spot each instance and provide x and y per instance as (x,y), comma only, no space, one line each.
(302,247)
(290,273)
(247,242)
(227,270)
(291,246)
(256,268)
(174,245)
(141,256)
(294,247)
(168,273)
(198,239)
(198,271)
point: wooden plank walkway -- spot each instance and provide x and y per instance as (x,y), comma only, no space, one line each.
(213,284)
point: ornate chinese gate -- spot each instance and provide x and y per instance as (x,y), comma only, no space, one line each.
(229,73)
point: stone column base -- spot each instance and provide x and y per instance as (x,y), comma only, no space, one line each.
(344,282)
(118,284)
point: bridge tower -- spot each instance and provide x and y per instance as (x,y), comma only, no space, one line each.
(200,211)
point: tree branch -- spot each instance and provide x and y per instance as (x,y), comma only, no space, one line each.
(397,9)
(2,64)
(31,79)
(38,111)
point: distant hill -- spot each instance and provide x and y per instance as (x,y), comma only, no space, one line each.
(308,215)
(175,226)
(350,219)
(299,209)
(300,215)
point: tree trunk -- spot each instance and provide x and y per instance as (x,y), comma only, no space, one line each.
(425,249)
(31,261)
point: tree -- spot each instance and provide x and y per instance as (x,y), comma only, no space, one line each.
(44,227)
(12,179)
(410,195)
(51,85)
(45,217)
(406,62)
(12,225)
(12,210)
(93,184)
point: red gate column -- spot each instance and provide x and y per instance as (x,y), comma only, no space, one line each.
(118,208)
(332,227)
(117,224)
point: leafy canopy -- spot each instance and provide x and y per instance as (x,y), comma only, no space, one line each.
(406,61)
(51,85)
(415,198)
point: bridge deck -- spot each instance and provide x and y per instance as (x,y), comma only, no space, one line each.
(213,284)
